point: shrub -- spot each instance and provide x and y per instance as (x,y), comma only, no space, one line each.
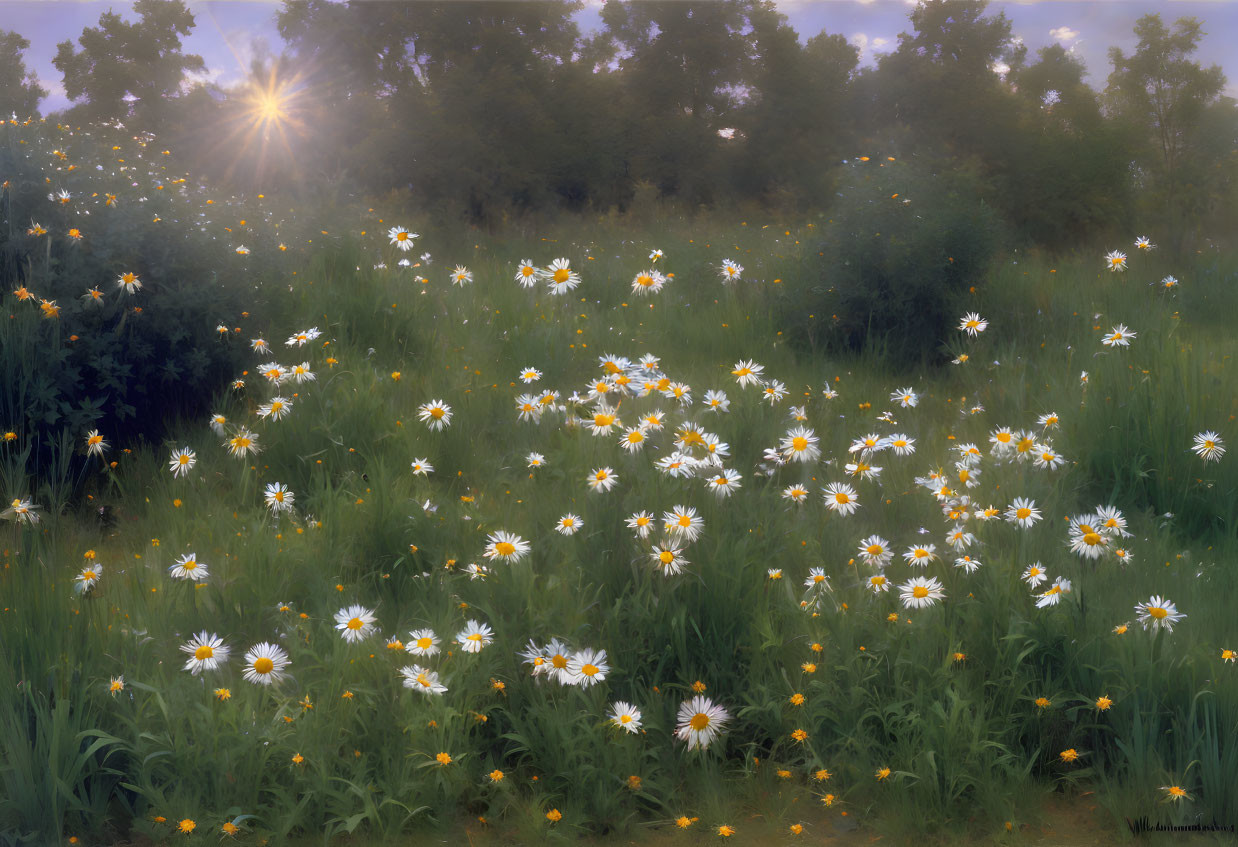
(78,351)
(903,244)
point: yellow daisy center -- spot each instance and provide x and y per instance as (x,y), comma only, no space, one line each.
(425,643)
(1158,612)
(562,274)
(799,443)
(699,721)
(589,670)
(505,548)
(204,651)
(263,665)
(919,591)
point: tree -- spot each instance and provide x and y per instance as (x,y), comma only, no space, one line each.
(1167,98)
(20,91)
(682,65)
(129,70)
(795,122)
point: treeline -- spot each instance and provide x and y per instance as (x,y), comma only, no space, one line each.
(484,111)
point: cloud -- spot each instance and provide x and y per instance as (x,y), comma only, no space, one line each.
(880,42)
(1063,34)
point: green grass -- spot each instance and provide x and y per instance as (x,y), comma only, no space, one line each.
(967,746)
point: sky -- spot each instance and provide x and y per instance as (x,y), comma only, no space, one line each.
(229,32)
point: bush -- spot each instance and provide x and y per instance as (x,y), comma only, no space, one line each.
(78,351)
(900,248)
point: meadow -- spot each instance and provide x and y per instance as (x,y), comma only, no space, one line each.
(560,532)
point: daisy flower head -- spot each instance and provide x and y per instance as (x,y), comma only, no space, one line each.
(730,271)
(506,547)
(279,498)
(868,445)
(560,277)
(188,567)
(569,524)
(305,336)
(817,580)
(655,254)
(242,250)
(973,324)
(401,238)
(602,480)
(588,667)
(556,657)
(355,623)
(422,679)
(920,592)
(1111,519)
(800,445)
(668,559)
(683,522)
(642,523)
(1169,283)
(724,483)
(421,467)
(905,397)
(747,372)
(920,554)
(530,374)
(474,637)
(774,391)
(422,642)
(1023,512)
(1034,575)
(461,276)
(1055,593)
(1144,243)
(526,273)
(95,444)
(648,282)
(875,551)
(88,578)
(1209,446)
(21,510)
(625,716)
(1158,613)
(901,445)
(265,664)
(1049,420)
(436,414)
(1087,542)
(301,373)
(129,283)
(535,460)
(968,564)
(274,373)
(1120,336)
(277,409)
(717,401)
(1115,261)
(1047,458)
(795,493)
(700,721)
(877,583)
(207,651)
(633,439)
(841,498)
(243,443)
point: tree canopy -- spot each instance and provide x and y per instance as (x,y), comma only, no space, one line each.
(491,109)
